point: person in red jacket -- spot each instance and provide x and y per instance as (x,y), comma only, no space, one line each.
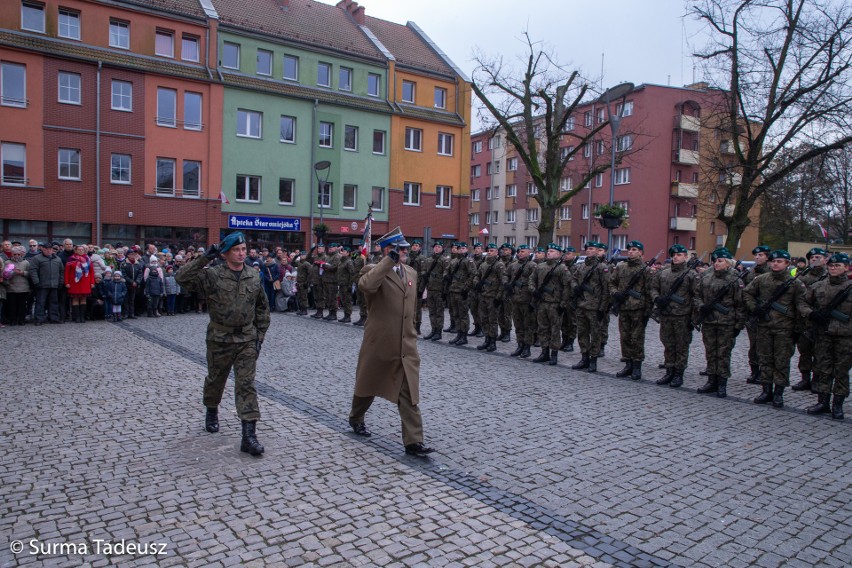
(79,281)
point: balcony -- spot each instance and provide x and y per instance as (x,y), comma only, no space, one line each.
(686,122)
(683,223)
(685,190)
(684,156)
(172,192)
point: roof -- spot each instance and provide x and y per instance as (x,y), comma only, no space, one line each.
(430,114)
(190,8)
(407,47)
(303,21)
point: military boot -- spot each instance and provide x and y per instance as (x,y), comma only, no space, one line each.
(461,339)
(506,336)
(332,316)
(722,388)
(627,370)
(710,386)
(451,329)
(837,407)
(637,371)
(544,356)
(249,443)
(603,351)
(361,322)
(476,331)
(417,328)
(765,396)
(778,397)
(525,354)
(822,406)
(348,319)
(567,345)
(431,334)
(805,383)
(492,344)
(437,335)
(455,340)
(485,344)
(593,365)
(667,378)
(318,315)
(517,351)
(754,378)
(211,420)
(583,363)
(677,379)
(704,373)
(554,357)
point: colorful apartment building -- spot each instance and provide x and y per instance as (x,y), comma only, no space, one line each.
(668,154)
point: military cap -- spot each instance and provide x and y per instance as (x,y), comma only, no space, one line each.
(507,246)
(333,245)
(347,249)
(235,238)
(595,244)
(780,253)
(393,238)
(761,248)
(554,246)
(569,248)
(721,252)
(636,244)
(417,242)
(438,244)
(523,247)
(539,249)
(490,246)
(476,244)
(816,250)
(839,257)
(461,244)
(674,249)
(603,246)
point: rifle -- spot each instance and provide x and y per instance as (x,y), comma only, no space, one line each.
(761,310)
(581,289)
(714,305)
(620,297)
(828,313)
(481,284)
(663,301)
(510,286)
(422,285)
(536,295)
(448,280)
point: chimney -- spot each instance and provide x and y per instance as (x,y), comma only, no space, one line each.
(354,10)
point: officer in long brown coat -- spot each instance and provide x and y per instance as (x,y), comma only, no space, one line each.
(388,362)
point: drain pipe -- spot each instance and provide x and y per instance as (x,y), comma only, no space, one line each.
(98,158)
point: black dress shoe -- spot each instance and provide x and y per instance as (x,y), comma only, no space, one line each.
(418,450)
(360,429)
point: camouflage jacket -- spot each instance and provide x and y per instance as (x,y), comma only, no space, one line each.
(792,301)
(557,288)
(346,271)
(683,299)
(490,278)
(595,295)
(755,271)
(638,297)
(329,270)
(459,274)
(822,293)
(710,286)
(433,280)
(518,277)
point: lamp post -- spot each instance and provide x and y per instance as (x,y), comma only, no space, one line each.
(613,93)
(324,165)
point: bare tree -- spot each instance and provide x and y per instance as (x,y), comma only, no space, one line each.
(838,168)
(785,65)
(533,108)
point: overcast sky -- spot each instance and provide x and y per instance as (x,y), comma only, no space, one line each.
(642,41)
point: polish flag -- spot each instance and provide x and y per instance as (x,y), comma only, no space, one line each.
(823,231)
(223,198)
(484,231)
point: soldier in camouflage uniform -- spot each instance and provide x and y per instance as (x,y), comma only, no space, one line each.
(518,278)
(239,318)
(454,251)
(345,276)
(776,323)
(569,319)
(473,295)
(831,330)
(816,272)
(315,279)
(590,300)
(432,280)
(329,281)
(549,287)
(605,322)
(761,266)
(358,263)
(504,311)
(676,310)
(722,315)
(630,289)
(459,276)
(303,267)
(489,284)
(415,260)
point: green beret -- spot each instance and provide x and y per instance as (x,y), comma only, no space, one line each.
(594,244)
(490,246)
(816,250)
(569,248)
(780,253)
(461,244)
(636,244)
(477,245)
(839,257)
(554,246)
(235,238)
(438,244)
(539,249)
(523,247)
(332,245)
(507,246)
(417,242)
(674,249)
(721,253)
(761,248)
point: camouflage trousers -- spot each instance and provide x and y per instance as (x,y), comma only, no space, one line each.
(303,296)
(473,301)
(435,303)
(719,341)
(605,329)
(362,303)
(418,310)
(631,329)
(459,313)
(221,357)
(752,346)
(569,326)
(775,347)
(319,297)
(329,293)
(589,332)
(526,322)
(832,364)
(346,298)
(488,316)
(549,325)
(504,317)
(806,354)
(675,335)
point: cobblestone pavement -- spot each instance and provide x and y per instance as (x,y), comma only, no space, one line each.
(104,447)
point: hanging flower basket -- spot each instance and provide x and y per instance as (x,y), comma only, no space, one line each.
(320,231)
(610,222)
(610,216)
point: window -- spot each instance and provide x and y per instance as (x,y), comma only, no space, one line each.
(264,62)
(164,44)
(249,123)
(570,153)
(191,178)
(189,48)
(192,111)
(623,143)
(488,217)
(69,88)
(69,163)
(69,23)
(511,216)
(511,190)
(474,218)
(291,67)
(32,17)
(627,109)
(378,141)
(288,129)
(119,169)
(344,79)
(532,189)
(565,213)
(565,184)
(122,95)
(373,84)
(489,168)
(14,157)
(570,124)
(324,195)
(165,176)
(326,135)
(496,192)
(599,180)
(532,214)
(408,91)
(413,139)
(601,147)
(601,115)
(248,188)
(476,171)
(166,107)
(286,191)
(692,243)
(443,196)
(231,55)
(13,85)
(587,151)
(511,164)
(622,176)
(474,195)
(445,144)
(477,147)
(350,196)
(324,74)
(488,193)
(440,97)
(587,118)
(410,193)
(119,34)
(494,142)
(584,210)
(495,216)
(378,203)
(350,138)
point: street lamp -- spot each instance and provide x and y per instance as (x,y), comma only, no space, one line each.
(613,93)
(318,167)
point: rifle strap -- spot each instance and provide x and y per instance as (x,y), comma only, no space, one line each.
(547,277)
(520,271)
(431,268)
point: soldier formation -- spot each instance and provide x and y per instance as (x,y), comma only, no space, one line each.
(551,300)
